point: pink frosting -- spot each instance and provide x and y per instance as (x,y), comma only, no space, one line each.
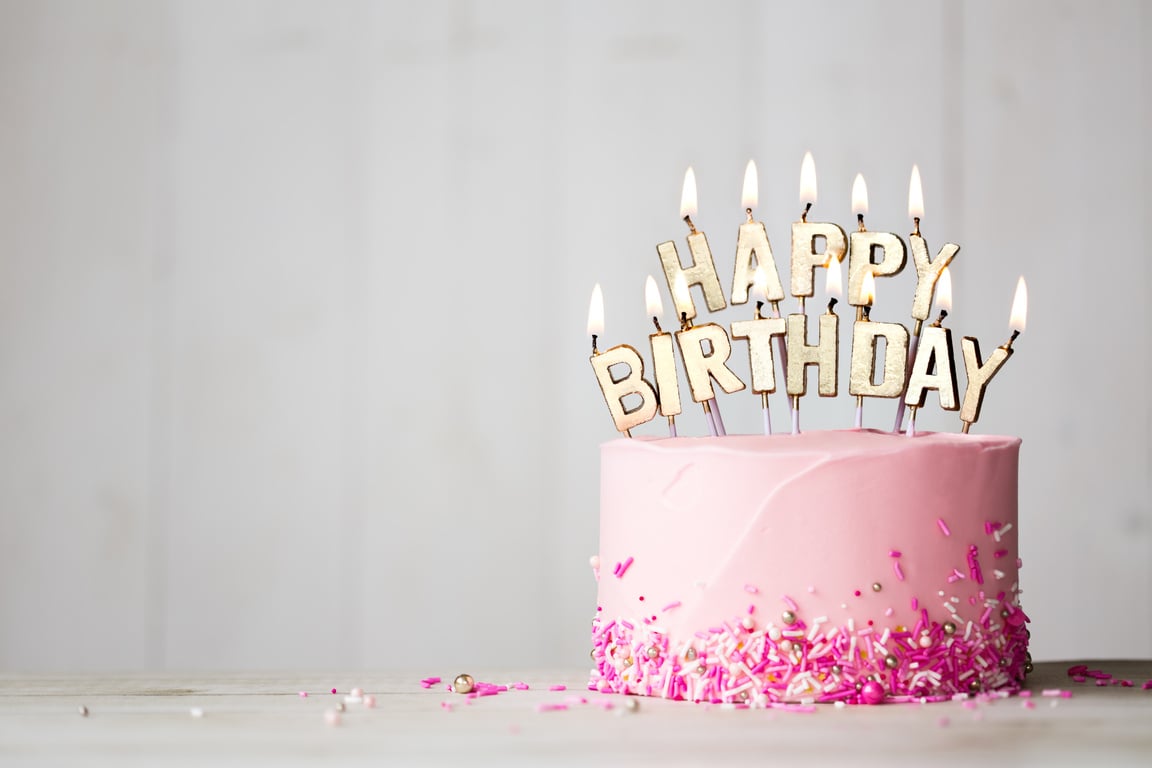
(850,531)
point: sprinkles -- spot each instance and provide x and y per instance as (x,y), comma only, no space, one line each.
(944,527)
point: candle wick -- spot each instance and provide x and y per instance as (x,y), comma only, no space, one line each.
(749,212)
(860,222)
(916,228)
(684,325)
(831,303)
(1015,335)
(939,320)
(804,214)
(691,226)
(594,350)
(867,312)
(656,322)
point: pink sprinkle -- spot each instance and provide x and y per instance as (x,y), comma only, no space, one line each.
(557,687)
(1065,694)
(1025,694)
(623,568)
(943,526)
(893,553)
(446,706)
(1050,692)
(1147,686)
(1029,704)
(915,604)
(790,603)
(899,571)
(574,699)
(333,690)
(554,707)
(999,553)
(1101,682)
(521,686)
(888,611)
(303,694)
(750,589)
(671,605)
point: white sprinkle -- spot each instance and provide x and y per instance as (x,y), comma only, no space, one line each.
(196,712)
(839,704)
(941,593)
(959,697)
(844,606)
(884,637)
(353,699)
(954,599)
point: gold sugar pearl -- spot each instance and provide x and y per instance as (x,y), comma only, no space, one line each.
(891,662)
(876,586)
(788,618)
(653,652)
(949,628)
(464,683)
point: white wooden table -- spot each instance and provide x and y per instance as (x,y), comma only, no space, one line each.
(255,718)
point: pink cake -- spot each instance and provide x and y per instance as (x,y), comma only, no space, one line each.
(853,566)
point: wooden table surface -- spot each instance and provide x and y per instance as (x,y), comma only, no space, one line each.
(262,719)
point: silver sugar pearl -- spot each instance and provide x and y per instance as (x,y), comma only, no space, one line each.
(702,669)
(653,652)
(631,704)
(858,686)
(974,686)
(592,654)
(1004,613)
(788,618)
(1028,668)
(876,586)
(949,628)
(836,669)
(891,662)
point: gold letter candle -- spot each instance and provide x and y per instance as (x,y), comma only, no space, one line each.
(663,358)
(752,242)
(933,368)
(862,253)
(632,383)
(759,333)
(703,270)
(864,336)
(980,374)
(824,355)
(927,273)
(805,234)
(702,366)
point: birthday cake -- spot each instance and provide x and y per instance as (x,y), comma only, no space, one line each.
(849,566)
(852,566)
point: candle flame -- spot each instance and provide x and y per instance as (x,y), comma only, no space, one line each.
(688,195)
(751,193)
(915,195)
(652,298)
(944,291)
(1019,306)
(760,284)
(868,288)
(833,284)
(808,179)
(596,312)
(680,293)
(859,195)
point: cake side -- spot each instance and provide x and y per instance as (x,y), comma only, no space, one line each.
(852,565)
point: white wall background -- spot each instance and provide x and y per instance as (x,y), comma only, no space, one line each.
(292,359)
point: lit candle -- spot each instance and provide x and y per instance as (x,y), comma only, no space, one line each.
(928,272)
(825,355)
(865,333)
(703,270)
(935,364)
(979,374)
(752,243)
(759,332)
(805,257)
(702,368)
(617,388)
(663,359)
(864,248)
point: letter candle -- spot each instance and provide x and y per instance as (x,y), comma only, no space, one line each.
(679,297)
(863,247)
(935,364)
(703,270)
(805,258)
(928,272)
(979,374)
(759,332)
(663,359)
(752,240)
(615,388)
(825,355)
